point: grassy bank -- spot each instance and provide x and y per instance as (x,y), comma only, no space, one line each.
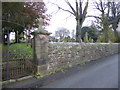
(18,50)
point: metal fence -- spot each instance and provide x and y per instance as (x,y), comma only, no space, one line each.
(17,67)
(17,62)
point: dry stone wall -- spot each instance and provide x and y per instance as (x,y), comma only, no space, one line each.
(53,56)
(68,54)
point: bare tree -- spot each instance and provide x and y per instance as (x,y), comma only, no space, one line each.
(110,15)
(114,19)
(104,8)
(79,12)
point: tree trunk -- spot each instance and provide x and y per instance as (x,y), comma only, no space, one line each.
(106,37)
(0,37)
(116,35)
(29,37)
(78,32)
(3,38)
(105,30)
(105,27)
(17,37)
(106,33)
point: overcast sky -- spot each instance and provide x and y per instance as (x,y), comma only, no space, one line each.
(63,19)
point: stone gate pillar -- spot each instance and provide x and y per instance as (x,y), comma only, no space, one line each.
(41,38)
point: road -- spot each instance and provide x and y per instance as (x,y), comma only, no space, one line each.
(101,75)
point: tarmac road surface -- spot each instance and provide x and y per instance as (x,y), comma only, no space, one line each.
(100,75)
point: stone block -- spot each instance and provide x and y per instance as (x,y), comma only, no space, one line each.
(41,68)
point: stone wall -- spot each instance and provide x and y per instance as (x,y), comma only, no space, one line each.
(61,55)
(53,56)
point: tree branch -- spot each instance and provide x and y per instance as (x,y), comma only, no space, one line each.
(68,17)
(63,9)
(94,16)
(70,6)
(77,13)
(97,6)
(80,8)
(85,9)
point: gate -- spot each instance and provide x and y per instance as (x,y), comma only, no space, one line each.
(17,60)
